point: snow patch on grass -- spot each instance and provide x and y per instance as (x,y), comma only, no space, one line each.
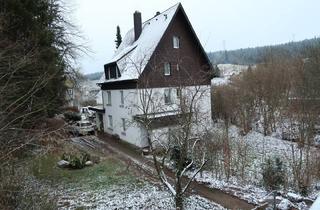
(128,197)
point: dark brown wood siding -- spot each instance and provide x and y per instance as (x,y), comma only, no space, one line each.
(119,85)
(193,66)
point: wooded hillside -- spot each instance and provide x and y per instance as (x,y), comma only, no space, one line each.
(257,55)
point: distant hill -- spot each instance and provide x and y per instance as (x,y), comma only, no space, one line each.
(256,55)
(93,76)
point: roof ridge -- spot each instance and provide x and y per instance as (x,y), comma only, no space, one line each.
(147,42)
(161,12)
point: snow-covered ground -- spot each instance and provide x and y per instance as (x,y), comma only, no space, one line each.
(124,197)
(99,187)
(143,195)
(258,149)
(226,73)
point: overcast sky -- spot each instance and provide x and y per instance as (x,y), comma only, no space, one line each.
(219,24)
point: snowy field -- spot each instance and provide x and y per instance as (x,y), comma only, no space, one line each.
(227,71)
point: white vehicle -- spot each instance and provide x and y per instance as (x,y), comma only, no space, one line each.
(86,112)
(83,128)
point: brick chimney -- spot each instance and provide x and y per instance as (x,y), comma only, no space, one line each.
(137,25)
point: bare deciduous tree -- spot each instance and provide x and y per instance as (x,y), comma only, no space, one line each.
(176,122)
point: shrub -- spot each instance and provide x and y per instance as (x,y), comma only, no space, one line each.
(71,109)
(273,177)
(72,116)
(77,161)
(273,174)
(176,157)
(90,102)
(116,136)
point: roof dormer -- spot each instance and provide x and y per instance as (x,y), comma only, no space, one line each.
(111,71)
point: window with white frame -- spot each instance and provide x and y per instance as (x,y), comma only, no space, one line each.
(178,90)
(167,96)
(110,122)
(167,69)
(109,98)
(124,127)
(121,98)
(176,42)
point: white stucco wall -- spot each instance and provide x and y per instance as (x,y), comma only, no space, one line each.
(203,107)
(135,134)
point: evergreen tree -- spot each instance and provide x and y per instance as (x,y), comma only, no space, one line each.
(35,60)
(273,176)
(118,37)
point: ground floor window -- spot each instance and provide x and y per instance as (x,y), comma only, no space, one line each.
(108,98)
(167,96)
(178,92)
(124,126)
(110,122)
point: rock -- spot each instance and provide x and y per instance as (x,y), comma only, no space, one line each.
(294,197)
(63,164)
(285,204)
(89,163)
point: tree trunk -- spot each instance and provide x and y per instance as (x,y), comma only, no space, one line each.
(226,151)
(274,200)
(179,201)
(178,197)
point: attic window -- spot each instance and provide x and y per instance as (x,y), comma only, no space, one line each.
(176,42)
(167,69)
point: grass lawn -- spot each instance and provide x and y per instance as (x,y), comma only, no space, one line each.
(107,185)
(107,173)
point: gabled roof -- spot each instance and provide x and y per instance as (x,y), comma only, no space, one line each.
(132,56)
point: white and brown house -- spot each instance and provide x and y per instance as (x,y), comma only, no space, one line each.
(164,56)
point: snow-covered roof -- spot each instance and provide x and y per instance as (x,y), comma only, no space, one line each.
(316,204)
(132,56)
(160,114)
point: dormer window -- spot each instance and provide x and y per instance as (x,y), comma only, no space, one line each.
(167,69)
(112,71)
(176,42)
